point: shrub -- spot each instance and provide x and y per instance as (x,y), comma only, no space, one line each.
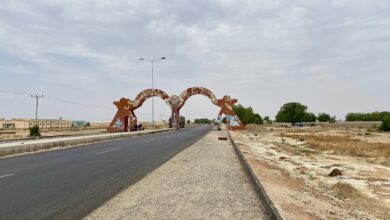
(385,126)
(34,131)
(202,121)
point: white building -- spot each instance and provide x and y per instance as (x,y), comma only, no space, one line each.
(24,123)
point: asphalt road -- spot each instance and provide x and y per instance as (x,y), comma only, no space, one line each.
(70,183)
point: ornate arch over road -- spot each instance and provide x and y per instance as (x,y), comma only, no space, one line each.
(125,117)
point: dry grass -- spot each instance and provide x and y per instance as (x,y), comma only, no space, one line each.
(344,145)
(371,205)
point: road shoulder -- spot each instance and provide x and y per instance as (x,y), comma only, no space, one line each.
(204,181)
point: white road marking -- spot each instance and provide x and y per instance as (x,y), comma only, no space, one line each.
(6,175)
(103,152)
(148,141)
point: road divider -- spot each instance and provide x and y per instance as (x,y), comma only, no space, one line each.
(12,148)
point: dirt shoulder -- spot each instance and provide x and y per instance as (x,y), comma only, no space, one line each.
(205,181)
(295,174)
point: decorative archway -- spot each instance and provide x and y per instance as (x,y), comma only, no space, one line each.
(125,114)
(125,118)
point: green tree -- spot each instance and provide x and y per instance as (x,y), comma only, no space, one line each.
(385,126)
(267,120)
(309,117)
(257,119)
(292,112)
(246,115)
(323,117)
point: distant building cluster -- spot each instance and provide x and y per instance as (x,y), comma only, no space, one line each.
(25,123)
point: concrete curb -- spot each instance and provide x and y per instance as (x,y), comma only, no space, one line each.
(270,210)
(11,150)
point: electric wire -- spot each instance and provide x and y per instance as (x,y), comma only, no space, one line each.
(52,98)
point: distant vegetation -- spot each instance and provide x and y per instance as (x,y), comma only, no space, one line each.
(294,112)
(372,116)
(202,121)
(267,120)
(324,117)
(246,115)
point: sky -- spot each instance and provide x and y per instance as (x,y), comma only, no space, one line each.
(331,55)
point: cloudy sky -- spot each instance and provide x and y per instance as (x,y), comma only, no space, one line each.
(331,55)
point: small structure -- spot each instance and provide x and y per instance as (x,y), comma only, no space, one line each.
(26,123)
(99,124)
(125,118)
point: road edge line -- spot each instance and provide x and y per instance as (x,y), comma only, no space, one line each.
(272,212)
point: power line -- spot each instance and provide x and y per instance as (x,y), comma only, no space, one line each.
(77,103)
(15,93)
(58,100)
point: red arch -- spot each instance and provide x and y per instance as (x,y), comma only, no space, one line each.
(148,93)
(196,91)
(126,107)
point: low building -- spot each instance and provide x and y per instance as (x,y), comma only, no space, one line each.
(98,124)
(80,123)
(24,123)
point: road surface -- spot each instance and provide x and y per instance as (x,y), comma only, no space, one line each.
(70,183)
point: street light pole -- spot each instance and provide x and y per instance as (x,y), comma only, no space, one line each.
(152,62)
(153,93)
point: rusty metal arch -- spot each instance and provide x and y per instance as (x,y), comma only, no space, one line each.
(126,107)
(148,93)
(186,94)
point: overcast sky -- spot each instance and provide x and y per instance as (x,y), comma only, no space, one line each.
(333,56)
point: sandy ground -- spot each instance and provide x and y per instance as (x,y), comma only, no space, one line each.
(205,181)
(296,177)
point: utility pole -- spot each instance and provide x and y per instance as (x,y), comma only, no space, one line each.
(37,97)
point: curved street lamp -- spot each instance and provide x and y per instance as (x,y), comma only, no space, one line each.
(152,62)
